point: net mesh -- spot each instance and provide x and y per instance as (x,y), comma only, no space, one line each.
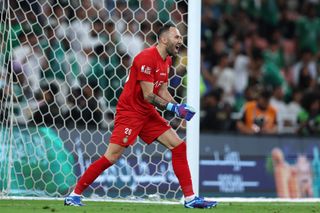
(63,66)
(5,94)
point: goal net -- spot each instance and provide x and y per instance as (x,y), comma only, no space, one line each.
(63,65)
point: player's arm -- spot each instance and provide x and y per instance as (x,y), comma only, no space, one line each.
(165,94)
(181,110)
(147,90)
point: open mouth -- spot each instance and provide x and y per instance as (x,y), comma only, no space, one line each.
(178,47)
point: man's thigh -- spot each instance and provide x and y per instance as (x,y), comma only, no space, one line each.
(170,139)
(153,128)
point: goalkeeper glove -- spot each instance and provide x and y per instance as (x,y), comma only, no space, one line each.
(181,110)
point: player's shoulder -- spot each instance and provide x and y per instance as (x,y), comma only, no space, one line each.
(147,54)
(145,57)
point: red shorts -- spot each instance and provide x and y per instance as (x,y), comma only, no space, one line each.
(127,128)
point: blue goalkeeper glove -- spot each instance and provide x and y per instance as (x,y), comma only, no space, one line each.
(181,110)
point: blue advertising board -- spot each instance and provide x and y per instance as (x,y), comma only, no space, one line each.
(259,166)
(49,163)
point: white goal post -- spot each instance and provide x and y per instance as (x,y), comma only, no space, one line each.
(193,89)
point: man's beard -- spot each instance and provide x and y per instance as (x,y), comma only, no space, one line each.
(170,51)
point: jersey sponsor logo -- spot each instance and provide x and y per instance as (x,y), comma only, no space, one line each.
(145,69)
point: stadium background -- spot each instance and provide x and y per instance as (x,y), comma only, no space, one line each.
(63,64)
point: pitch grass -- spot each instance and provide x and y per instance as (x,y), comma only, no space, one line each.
(35,206)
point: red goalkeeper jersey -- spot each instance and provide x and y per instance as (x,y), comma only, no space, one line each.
(146,66)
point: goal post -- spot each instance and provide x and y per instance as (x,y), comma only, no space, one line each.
(63,66)
(193,89)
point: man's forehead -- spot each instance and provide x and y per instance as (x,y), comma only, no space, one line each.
(174,31)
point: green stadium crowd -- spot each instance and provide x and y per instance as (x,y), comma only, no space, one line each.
(266,50)
(69,60)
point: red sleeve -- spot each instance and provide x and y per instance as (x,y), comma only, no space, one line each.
(145,68)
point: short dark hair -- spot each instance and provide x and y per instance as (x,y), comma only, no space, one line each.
(165,28)
(266,93)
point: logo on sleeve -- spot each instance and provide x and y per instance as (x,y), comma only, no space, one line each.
(158,84)
(145,69)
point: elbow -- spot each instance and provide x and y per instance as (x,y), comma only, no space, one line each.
(147,96)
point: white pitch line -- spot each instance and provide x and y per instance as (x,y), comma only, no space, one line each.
(262,199)
(219,199)
(92,199)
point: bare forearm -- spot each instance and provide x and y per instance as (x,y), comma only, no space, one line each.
(167,96)
(157,101)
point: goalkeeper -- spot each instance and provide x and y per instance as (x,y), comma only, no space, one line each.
(136,115)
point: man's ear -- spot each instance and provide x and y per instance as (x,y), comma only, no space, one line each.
(164,39)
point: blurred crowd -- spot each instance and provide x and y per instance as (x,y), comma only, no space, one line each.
(69,59)
(260,66)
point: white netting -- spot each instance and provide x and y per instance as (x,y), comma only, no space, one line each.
(5,95)
(61,76)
